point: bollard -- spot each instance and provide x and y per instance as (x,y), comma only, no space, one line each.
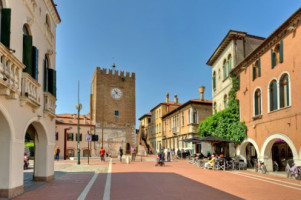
(127,160)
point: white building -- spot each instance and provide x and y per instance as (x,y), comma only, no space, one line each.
(232,50)
(27,89)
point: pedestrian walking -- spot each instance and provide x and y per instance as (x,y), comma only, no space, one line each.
(179,154)
(57,153)
(134,155)
(102,153)
(172,154)
(168,155)
(120,153)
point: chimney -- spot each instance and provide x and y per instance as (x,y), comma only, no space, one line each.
(202,90)
(176,98)
(167,97)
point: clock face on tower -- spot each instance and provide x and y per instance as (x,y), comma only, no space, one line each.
(116,93)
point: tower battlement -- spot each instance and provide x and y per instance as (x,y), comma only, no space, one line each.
(114,72)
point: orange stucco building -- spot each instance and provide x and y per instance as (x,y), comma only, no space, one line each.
(269,95)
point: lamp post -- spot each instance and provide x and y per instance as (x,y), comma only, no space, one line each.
(65,141)
(78,107)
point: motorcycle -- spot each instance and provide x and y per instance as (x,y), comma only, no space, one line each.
(26,162)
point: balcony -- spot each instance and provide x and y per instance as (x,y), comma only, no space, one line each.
(49,104)
(29,91)
(10,73)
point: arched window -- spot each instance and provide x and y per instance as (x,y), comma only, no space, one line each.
(225,69)
(256,69)
(229,63)
(277,54)
(284,91)
(214,80)
(27,49)
(273,95)
(257,102)
(47,22)
(225,101)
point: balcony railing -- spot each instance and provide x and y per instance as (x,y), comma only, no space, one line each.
(49,104)
(29,90)
(10,73)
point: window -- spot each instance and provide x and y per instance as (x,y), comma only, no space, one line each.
(169,124)
(159,113)
(80,137)
(195,116)
(225,69)
(256,69)
(116,113)
(273,95)
(229,63)
(5,16)
(188,117)
(182,118)
(70,122)
(70,137)
(149,120)
(225,101)
(284,91)
(214,80)
(70,153)
(47,22)
(56,136)
(277,54)
(257,102)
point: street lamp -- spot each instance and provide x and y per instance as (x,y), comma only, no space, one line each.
(78,107)
(65,141)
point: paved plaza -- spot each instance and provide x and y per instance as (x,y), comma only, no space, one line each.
(143,180)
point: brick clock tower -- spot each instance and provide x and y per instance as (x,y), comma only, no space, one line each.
(113,109)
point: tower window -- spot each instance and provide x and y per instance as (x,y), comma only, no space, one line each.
(116,113)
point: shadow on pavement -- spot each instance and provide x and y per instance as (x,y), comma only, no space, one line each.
(162,186)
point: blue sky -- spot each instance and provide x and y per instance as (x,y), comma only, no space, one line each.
(165,42)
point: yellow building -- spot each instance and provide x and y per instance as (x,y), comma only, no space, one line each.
(144,129)
(155,127)
(183,122)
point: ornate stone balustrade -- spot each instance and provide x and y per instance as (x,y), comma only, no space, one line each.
(10,73)
(29,91)
(49,104)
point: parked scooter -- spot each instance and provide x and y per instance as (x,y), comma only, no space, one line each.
(26,161)
(294,171)
(260,166)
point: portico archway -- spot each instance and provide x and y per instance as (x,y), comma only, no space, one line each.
(248,151)
(267,152)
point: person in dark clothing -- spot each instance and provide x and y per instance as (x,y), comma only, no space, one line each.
(120,153)
(179,154)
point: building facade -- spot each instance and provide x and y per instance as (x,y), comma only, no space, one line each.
(269,86)
(183,122)
(66,127)
(27,89)
(144,130)
(156,130)
(113,109)
(232,50)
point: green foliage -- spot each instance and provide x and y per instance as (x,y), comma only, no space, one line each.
(30,146)
(225,124)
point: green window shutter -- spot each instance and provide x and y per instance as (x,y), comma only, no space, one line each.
(275,96)
(287,91)
(35,62)
(273,57)
(256,104)
(254,72)
(281,52)
(27,53)
(281,93)
(259,68)
(271,97)
(259,102)
(214,83)
(230,65)
(52,81)
(45,76)
(5,26)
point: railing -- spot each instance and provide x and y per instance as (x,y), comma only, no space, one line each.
(10,71)
(30,90)
(49,103)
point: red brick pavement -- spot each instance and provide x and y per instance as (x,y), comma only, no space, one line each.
(176,180)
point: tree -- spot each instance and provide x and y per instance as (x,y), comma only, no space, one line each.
(226,124)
